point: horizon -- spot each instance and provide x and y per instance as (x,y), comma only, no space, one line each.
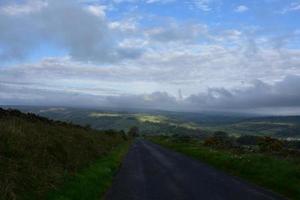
(56,108)
(185,56)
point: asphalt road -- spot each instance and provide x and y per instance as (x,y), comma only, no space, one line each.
(151,172)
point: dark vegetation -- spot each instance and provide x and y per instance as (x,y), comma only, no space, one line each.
(222,139)
(269,162)
(38,155)
(133,131)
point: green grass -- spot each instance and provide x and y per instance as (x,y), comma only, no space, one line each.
(92,182)
(280,175)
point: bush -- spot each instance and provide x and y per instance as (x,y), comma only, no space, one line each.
(220,139)
(221,135)
(182,138)
(268,144)
(247,140)
(293,144)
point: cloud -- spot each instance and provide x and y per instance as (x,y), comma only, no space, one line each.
(125,1)
(155,100)
(159,1)
(176,32)
(165,66)
(295,6)
(144,1)
(97,10)
(280,96)
(82,31)
(12,95)
(15,8)
(206,5)
(241,9)
(135,57)
(259,96)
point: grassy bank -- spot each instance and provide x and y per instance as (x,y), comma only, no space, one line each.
(91,183)
(278,174)
(37,154)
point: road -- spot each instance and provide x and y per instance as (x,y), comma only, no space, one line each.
(151,172)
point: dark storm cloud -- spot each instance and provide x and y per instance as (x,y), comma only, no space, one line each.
(260,96)
(284,93)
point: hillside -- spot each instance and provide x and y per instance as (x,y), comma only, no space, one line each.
(175,123)
(281,127)
(149,122)
(37,154)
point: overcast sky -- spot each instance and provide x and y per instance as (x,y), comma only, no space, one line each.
(191,55)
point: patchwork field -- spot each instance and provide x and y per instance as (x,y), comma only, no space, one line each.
(175,123)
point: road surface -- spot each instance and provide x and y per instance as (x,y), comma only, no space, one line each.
(151,172)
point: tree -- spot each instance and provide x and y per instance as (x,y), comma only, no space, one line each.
(123,134)
(248,140)
(133,131)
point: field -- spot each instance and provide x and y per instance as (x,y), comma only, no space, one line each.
(176,123)
(149,122)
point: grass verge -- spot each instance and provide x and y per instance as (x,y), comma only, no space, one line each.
(280,175)
(36,153)
(91,183)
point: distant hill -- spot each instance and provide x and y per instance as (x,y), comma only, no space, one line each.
(36,153)
(276,126)
(149,122)
(157,122)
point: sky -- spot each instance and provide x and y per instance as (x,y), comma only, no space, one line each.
(183,55)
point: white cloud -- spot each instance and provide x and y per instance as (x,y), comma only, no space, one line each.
(127,60)
(159,1)
(98,10)
(29,6)
(66,24)
(125,1)
(205,5)
(241,9)
(295,6)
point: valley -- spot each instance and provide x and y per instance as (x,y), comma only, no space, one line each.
(175,123)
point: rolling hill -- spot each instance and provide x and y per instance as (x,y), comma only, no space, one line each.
(155,122)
